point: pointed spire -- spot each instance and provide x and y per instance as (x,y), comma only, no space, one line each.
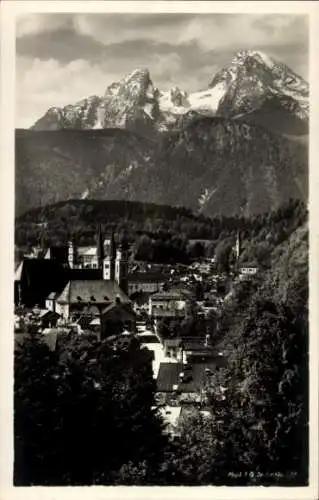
(100,246)
(112,246)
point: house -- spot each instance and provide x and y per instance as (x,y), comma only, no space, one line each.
(87,297)
(173,348)
(179,383)
(145,282)
(117,317)
(249,270)
(192,349)
(48,318)
(87,257)
(170,303)
(197,350)
(140,301)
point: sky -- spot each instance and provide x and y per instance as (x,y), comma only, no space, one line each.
(62,58)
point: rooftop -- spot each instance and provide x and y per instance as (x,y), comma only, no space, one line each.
(141,298)
(148,338)
(195,376)
(146,277)
(93,291)
(174,294)
(117,310)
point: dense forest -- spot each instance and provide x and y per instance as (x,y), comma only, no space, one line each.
(158,233)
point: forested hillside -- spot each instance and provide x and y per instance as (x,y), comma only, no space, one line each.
(212,164)
(159,232)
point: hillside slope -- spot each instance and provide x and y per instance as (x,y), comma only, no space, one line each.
(52,166)
(213,165)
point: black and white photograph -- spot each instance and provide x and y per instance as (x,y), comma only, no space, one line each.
(161,248)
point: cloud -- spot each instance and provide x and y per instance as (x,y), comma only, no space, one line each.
(36,24)
(43,84)
(209,30)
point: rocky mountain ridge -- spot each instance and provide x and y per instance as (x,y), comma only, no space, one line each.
(252,84)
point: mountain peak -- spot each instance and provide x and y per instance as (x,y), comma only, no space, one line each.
(138,73)
(133,85)
(255,81)
(258,55)
(253,85)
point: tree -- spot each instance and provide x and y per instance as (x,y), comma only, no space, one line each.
(196,251)
(84,412)
(190,459)
(263,419)
(222,254)
(36,422)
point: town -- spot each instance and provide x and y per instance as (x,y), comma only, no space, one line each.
(161,249)
(100,291)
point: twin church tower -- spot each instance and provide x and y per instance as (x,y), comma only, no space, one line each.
(108,257)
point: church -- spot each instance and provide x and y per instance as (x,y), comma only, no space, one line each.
(108,258)
(92,296)
(86,279)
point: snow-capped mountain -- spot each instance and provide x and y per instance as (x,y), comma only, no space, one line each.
(85,114)
(253,87)
(132,100)
(256,83)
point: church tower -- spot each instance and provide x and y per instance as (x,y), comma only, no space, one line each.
(100,249)
(121,266)
(109,260)
(71,254)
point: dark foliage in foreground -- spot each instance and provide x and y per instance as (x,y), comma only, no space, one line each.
(83,413)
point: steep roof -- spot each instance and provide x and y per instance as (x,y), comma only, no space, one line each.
(168,376)
(118,311)
(140,298)
(93,291)
(18,272)
(147,277)
(148,338)
(170,295)
(47,312)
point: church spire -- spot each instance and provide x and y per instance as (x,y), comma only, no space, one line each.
(112,246)
(100,248)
